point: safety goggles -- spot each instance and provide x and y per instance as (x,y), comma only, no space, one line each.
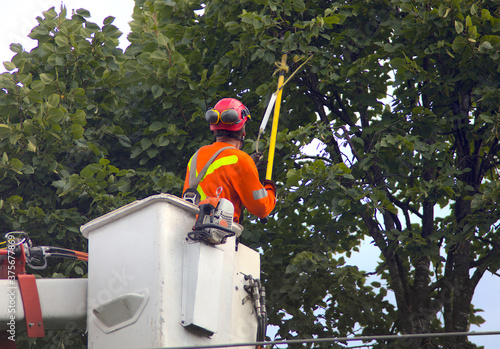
(228,116)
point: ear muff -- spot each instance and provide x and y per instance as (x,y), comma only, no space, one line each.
(212,116)
(230,117)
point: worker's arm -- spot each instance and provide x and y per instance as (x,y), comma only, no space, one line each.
(259,199)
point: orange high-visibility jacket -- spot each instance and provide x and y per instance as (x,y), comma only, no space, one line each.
(235,172)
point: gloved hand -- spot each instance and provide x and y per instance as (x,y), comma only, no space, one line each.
(269,184)
(258,159)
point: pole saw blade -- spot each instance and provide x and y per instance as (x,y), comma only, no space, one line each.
(269,109)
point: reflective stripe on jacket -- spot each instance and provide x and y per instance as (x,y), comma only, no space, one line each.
(234,171)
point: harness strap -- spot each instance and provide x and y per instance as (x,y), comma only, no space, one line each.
(195,180)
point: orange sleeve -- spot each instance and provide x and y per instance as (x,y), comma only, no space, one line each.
(259,200)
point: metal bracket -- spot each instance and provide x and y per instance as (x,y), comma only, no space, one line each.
(31,305)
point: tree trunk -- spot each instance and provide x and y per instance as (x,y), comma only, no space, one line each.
(459,288)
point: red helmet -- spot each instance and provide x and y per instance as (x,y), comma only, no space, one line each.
(228,114)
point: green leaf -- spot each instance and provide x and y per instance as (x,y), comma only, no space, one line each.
(9,66)
(79,270)
(108,20)
(485,14)
(459,27)
(87,172)
(157,91)
(4,131)
(335,19)
(34,96)
(124,141)
(16,163)
(145,143)
(473,9)
(152,152)
(293,178)
(15,199)
(32,146)
(398,63)
(178,58)
(77,131)
(54,100)
(156,126)
(449,191)
(82,12)
(17,48)
(163,140)
(28,170)
(468,21)
(61,41)
(163,40)
(459,44)
(158,55)
(55,115)
(38,85)
(485,47)
(50,13)
(46,78)
(25,79)
(135,152)
(172,72)
(487,118)
(104,162)
(48,48)
(79,117)
(299,5)
(113,169)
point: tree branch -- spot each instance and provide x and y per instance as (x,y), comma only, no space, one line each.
(344,115)
(404,206)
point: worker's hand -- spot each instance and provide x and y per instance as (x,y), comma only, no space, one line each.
(256,157)
(269,184)
(260,163)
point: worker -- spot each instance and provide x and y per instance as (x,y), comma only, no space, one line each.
(232,174)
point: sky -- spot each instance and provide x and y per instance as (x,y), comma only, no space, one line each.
(17,18)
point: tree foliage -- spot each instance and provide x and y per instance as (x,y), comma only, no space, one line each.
(86,128)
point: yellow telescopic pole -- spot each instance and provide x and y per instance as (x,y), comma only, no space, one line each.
(276,117)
